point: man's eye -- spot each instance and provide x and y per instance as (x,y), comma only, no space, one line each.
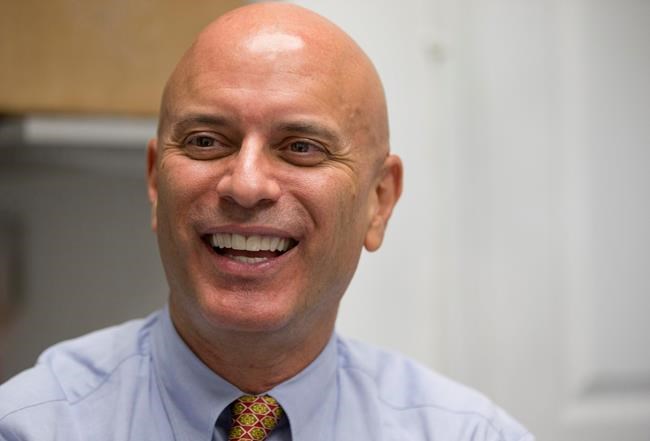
(303,153)
(207,145)
(201,141)
(301,147)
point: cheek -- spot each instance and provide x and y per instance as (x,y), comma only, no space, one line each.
(337,207)
(340,243)
(181,184)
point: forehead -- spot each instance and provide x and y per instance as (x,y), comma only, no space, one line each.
(267,75)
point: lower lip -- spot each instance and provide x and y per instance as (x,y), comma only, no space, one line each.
(244,269)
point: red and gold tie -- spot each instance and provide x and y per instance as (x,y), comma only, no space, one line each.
(253,417)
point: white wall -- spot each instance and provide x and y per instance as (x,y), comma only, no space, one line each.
(395,294)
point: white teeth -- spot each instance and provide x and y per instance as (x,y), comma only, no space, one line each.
(249,259)
(249,243)
(238,242)
(253,243)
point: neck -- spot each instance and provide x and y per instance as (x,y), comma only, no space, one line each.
(254,362)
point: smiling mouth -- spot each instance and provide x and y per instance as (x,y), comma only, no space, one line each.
(250,249)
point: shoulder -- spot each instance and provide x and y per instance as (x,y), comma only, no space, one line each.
(409,391)
(68,372)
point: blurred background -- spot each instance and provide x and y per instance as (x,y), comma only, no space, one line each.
(518,260)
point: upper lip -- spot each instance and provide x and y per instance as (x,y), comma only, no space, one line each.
(267,238)
(253,242)
(250,231)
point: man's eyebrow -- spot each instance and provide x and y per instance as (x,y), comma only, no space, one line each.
(188,121)
(310,128)
(307,128)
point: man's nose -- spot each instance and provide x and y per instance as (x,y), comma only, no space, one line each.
(250,177)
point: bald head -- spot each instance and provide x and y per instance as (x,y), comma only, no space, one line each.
(273,128)
(272,44)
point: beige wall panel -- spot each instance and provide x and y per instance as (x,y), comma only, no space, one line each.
(94,56)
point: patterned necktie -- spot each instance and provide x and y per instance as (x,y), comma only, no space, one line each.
(253,417)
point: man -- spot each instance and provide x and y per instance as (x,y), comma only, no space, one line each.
(271,171)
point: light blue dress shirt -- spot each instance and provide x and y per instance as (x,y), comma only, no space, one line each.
(139,382)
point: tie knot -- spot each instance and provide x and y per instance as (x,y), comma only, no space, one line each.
(253,417)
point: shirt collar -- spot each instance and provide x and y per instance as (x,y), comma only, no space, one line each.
(309,398)
(194,396)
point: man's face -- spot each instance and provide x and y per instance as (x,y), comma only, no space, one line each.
(263,185)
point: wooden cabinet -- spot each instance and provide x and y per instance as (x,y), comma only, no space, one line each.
(107,57)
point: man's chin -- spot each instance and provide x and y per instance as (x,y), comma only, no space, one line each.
(259,318)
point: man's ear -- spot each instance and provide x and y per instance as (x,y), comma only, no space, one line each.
(387,191)
(152,179)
